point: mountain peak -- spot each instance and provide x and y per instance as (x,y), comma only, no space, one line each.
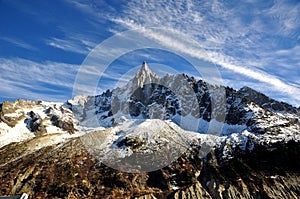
(145,65)
(145,76)
(144,69)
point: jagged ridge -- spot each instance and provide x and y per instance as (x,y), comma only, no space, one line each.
(174,97)
(256,156)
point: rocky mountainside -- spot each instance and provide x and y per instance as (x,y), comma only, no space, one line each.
(68,170)
(182,99)
(270,104)
(155,137)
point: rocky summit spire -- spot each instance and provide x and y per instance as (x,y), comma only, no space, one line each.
(145,76)
(145,66)
(144,70)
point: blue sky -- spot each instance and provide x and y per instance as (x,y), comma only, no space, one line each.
(43,44)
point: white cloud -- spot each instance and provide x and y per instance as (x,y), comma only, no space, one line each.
(81,46)
(287,15)
(18,43)
(222,60)
(254,39)
(21,78)
(246,43)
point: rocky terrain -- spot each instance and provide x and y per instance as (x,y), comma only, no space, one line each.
(169,137)
(68,171)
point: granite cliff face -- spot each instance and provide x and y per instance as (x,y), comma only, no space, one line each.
(179,98)
(204,141)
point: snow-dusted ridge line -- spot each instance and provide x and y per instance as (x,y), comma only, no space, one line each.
(91,114)
(21,131)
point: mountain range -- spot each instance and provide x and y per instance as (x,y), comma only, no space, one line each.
(154,137)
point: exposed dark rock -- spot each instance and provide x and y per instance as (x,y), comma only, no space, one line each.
(65,125)
(69,171)
(263,169)
(175,96)
(267,102)
(49,111)
(8,107)
(131,142)
(135,108)
(195,191)
(35,124)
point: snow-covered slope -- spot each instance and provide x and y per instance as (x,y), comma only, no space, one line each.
(194,106)
(183,100)
(197,139)
(281,108)
(23,120)
(144,144)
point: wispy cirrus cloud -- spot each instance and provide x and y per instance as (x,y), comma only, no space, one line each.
(248,42)
(287,15)
(21,78)
(222,60)
(254,39)
(50,81)
(77,45)
(18,43)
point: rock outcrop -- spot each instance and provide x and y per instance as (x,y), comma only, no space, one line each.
(69,171)
(254,154)
(183,99)
(8,111)
(270,104)
(35,124)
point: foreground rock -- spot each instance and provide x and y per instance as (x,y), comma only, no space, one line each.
(68,171)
